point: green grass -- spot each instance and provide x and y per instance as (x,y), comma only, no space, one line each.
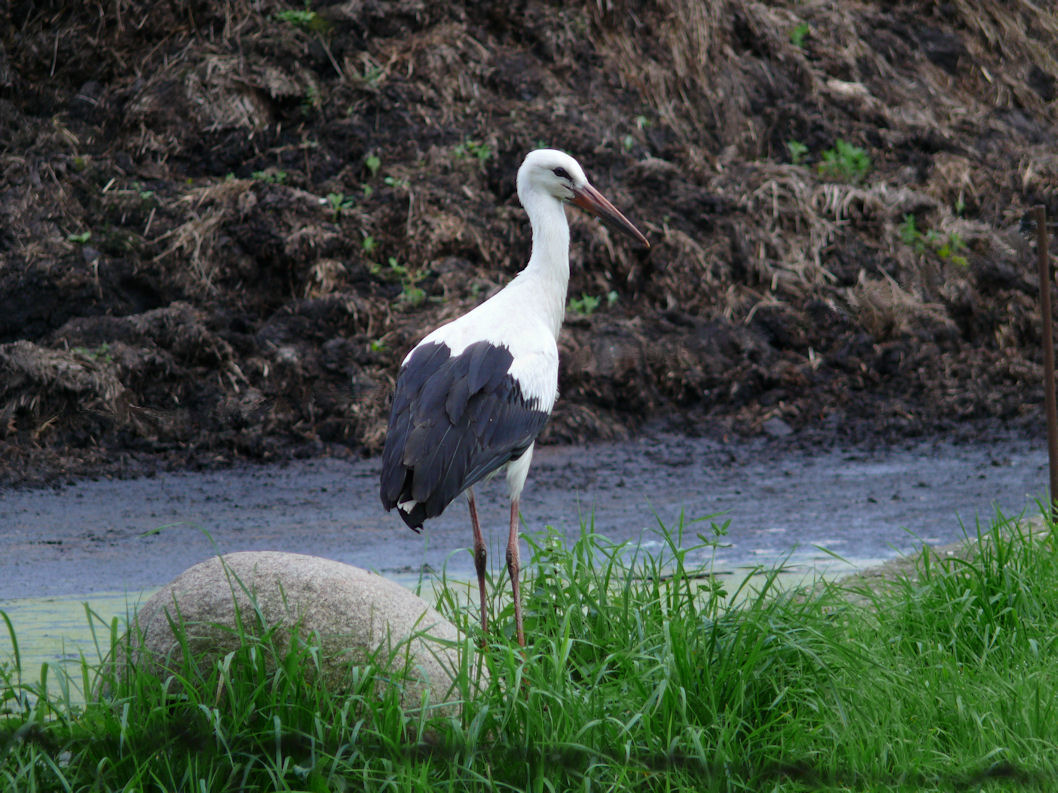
(644,672)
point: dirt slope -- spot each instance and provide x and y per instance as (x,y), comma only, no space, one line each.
(223,224)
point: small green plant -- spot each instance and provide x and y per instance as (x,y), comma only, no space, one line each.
(368,244)
(371,74)
(270,176)
(949,249)
(310,101)
(584,305)
(642,123)
(144,194)
(411,293)
(798,34)
(100,354)
(473,148)
(946,248)
(845,162)
(338,203)
(367,78)
(398,182)
(376,345)
(81,238)
(373,163)
(910,234)
(305,18)
(797,151)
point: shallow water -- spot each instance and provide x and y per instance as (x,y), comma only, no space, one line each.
(109,542)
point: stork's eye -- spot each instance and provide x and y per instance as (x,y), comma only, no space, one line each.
(562,173)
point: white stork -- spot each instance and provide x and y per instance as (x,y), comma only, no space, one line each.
(473,395)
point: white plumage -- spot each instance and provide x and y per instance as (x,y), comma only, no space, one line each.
(474,394)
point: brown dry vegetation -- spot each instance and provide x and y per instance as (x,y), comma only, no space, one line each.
(223,307)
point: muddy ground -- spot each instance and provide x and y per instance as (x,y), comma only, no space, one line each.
(223,224)
(812,512)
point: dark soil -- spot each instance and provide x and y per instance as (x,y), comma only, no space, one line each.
(223,224)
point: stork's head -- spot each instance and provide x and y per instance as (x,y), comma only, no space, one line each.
(555,173)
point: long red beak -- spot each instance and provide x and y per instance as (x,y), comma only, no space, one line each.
(591,200)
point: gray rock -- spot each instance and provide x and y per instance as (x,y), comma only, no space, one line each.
(776,427)
(351,614)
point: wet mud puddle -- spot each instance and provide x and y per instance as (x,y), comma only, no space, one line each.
(110,543)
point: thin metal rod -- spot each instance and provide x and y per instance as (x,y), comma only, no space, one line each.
(1044,266)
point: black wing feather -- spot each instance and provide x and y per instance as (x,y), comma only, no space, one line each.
(456,401)
(454,420)
(477,375)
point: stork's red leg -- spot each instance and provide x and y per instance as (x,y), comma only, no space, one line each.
(479,558)
(513,568)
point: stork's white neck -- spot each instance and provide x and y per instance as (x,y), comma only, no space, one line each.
(546,277)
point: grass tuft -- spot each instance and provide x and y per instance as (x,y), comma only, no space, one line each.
(643,672)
